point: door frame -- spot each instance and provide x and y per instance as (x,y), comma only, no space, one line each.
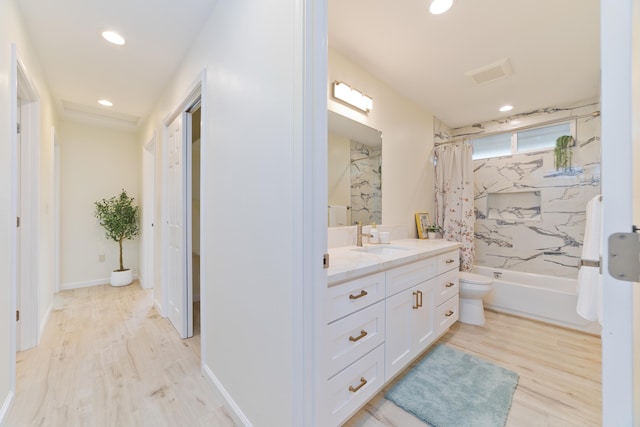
(22,87)
(191,98)
(148,213)
(621,302)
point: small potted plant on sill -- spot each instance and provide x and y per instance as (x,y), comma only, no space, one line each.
(562,152)
(433,230)
(119,217)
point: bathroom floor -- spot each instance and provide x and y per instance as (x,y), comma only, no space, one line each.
(560,373)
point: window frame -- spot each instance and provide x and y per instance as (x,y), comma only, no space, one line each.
(514,137)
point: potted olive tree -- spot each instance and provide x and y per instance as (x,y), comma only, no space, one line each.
(119,218)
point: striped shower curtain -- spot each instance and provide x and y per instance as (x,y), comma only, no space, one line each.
(454,198)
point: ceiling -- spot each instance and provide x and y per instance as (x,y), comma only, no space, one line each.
(553,48)
(81,67)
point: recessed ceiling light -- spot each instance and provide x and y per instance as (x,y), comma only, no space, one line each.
(113,37)
(506,108)
(105,102)
(440,6)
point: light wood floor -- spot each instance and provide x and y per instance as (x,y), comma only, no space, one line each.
(107,358)
(560,374)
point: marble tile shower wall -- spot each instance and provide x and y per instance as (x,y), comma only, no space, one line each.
(366,184)
(543,237)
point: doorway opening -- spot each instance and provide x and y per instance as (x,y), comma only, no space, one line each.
(195,213)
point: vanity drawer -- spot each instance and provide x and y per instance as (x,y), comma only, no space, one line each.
(447,285)
(354,336)
(448,261)
(352,387)
(406,276)
(446,314)
(354,295)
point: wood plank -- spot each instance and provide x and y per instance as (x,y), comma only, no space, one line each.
(107,358)
(560,373)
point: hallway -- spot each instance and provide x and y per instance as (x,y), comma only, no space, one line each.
(107,358)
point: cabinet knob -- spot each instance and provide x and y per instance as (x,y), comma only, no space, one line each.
(450,284)
(449,313)
(363,293)
(363,334)
(353,389)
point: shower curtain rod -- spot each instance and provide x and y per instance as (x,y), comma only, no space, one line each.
(548,122)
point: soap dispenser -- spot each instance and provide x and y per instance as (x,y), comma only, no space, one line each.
(374,234)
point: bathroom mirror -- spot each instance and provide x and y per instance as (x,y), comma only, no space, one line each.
(355,172)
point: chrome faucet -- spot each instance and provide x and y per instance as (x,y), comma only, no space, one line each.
(359,235)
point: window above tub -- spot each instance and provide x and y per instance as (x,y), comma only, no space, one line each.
(540,138)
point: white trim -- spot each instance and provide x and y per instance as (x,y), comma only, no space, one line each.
(618,363)
(56,212)
(6,406)
(204,147)
(158,306)
(89,283)
(310,195)
(45,318)
(149,214)
(209,376)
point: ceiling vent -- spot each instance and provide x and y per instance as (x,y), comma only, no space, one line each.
(489,73)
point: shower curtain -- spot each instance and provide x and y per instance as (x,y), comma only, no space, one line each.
(454,198)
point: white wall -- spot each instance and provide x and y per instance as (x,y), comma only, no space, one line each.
(249,176)
(96,163)
(407,142)
(11,31)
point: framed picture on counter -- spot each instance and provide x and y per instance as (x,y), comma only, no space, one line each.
(422,223)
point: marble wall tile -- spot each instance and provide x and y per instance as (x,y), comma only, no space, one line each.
(545,239)
(366,184)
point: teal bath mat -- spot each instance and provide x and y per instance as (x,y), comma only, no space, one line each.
(449,388)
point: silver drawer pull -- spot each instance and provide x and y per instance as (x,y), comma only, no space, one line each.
(449,261)
(449,313)
(363,334)
(450,284)
(363,293)
(353,389)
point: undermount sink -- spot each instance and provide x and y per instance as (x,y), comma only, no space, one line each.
(382,250)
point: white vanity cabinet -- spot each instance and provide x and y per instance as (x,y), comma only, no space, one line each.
(379,323)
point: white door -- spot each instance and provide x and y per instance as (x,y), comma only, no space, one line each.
(399,331)
(620,59)
(423,317)
(180,298)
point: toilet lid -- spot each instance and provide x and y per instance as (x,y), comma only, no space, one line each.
(474,279)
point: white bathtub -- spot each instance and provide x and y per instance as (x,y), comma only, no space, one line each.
(546,298)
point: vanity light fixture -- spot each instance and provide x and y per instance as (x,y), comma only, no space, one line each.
(506,108)
(105,102)
(438,7)
(351,96)
(113,37)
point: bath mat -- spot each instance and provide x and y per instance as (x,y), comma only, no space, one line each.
(449,388)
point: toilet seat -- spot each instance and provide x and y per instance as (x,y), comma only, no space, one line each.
(473,278)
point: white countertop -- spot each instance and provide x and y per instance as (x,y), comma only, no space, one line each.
(351,262)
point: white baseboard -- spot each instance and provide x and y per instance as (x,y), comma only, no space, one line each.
(241,417)
(44,320)
(88,283)
(158,307)
(5,407)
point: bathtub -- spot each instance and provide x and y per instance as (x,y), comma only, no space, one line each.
(546,298)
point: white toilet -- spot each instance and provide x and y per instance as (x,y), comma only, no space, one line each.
(473,287)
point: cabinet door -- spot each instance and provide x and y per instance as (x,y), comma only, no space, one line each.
(423,321)
(399,336)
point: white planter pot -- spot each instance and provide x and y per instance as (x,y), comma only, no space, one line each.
(432,235)
(121,278)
